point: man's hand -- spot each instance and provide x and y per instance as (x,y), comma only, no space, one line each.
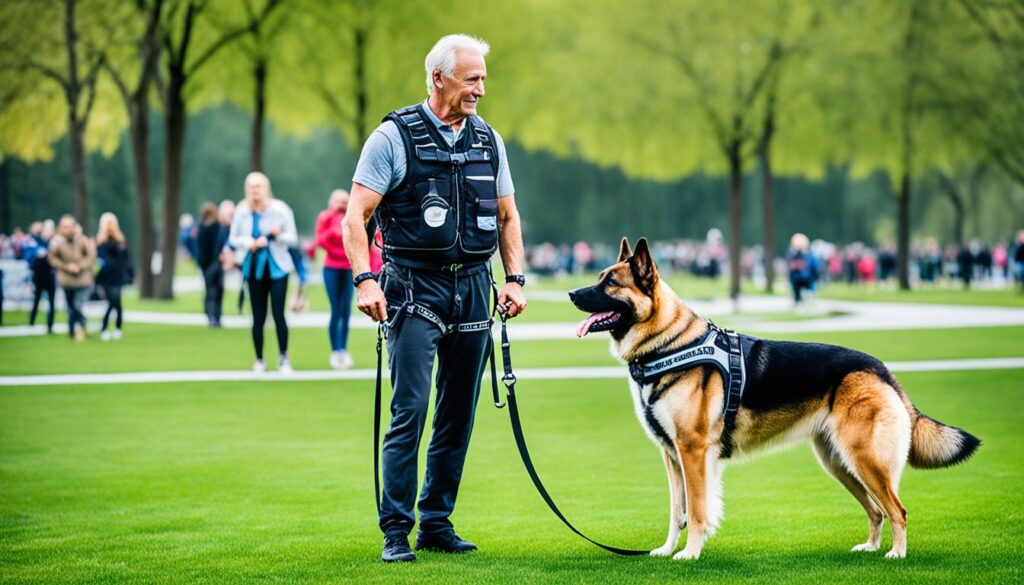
(73,268)
(370,300)
(512,299)
(275,231)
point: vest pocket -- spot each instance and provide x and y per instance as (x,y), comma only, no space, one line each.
(437,217)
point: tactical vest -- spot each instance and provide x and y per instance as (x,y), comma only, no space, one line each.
(445,210)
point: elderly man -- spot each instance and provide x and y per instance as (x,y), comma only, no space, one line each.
(438,179)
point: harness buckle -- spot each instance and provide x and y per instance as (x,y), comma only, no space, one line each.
(453,267)
(509,380)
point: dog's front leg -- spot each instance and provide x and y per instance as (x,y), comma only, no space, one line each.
(677,505)
(692,454)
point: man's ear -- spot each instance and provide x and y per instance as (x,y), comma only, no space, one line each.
(437,78)
(624,251)
(644,270)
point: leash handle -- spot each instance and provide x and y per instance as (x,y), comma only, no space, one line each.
(509,379)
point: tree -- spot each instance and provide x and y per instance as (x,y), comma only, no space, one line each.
(184,27)
(143,52)
(30,48)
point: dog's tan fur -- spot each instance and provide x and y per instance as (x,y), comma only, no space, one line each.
(863,439)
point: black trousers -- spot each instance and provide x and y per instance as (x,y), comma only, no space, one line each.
(37,295)
(112,292)
(213,304)
(460,342)
(277,291)
(75,298)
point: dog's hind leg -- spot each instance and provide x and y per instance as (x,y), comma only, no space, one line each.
(833,465)
(677,505)
(872,435)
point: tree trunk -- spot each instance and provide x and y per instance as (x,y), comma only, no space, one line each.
(360,82)
(76,126)
(139,129)
(768,196)
(903,232)
(735,240)
(173,150)
(259,114)
(76,140)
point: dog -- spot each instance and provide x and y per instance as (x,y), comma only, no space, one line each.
(862,425)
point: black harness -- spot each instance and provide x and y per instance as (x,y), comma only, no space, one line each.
(718,347)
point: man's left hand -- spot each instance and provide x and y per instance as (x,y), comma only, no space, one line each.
(512,299)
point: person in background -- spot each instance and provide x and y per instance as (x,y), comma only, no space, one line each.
(72,255)
(262,230)
(803,271)
(187,232)
(300,303)
(209,243)
(1018,259)
(115,271)
(43,278)
(337,276)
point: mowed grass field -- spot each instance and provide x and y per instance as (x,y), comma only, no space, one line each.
(272,481)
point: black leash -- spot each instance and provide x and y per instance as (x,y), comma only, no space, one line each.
(509,379)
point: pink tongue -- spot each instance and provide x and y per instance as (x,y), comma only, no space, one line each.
(584,326)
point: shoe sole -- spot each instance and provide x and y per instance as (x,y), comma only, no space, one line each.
(444,550)
(407,560)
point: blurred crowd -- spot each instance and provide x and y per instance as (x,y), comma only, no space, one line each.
(975,264)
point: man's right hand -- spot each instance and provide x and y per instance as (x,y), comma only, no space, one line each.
(370,300)
(73,268)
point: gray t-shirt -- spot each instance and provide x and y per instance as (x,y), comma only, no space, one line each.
(382,164)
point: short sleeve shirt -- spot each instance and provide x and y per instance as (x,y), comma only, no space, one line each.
(382,164)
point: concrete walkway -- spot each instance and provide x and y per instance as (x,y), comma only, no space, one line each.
(607,372)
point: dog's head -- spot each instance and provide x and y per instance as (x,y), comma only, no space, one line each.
(624,294)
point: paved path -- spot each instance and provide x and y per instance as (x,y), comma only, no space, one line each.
(853,316)
(369,374)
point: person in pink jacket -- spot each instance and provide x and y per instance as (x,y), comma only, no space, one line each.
(338,275)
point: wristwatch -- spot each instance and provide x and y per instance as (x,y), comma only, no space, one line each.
(364,276)
(516,278)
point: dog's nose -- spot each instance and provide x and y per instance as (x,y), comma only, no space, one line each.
(572,295)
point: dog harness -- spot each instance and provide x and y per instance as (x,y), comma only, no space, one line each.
(721,348)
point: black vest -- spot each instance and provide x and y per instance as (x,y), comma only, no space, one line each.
(445,210)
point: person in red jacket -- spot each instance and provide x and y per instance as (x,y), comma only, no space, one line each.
(338,275)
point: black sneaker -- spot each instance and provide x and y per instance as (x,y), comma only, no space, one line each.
(446,542)
(396,550)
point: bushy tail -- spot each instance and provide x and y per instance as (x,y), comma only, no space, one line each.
(934,444)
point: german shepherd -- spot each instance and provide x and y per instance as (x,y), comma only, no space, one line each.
(862,425)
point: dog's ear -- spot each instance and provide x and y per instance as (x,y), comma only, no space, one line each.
(645,272)
(624,251)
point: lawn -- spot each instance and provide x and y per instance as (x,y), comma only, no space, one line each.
(231,482)
(228,482)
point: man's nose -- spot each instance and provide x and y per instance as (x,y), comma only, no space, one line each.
(479,90)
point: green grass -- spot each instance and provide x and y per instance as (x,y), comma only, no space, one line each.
(229,482)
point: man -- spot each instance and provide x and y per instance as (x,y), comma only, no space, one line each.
(73,255)
(438,179)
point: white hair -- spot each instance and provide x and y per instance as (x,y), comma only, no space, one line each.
(442,56)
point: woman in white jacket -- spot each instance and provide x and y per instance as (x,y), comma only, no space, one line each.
(262,230)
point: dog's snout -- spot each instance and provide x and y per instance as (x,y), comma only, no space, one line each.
(572,294)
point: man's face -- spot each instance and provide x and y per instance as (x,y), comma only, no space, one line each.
(66,227)
(463,89)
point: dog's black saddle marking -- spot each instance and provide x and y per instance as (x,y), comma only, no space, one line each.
(721,348)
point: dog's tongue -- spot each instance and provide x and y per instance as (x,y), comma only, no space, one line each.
(584,326)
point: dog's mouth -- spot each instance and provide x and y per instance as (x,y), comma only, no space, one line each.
(602,321)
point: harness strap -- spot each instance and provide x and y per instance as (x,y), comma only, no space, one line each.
(382,333)
(509,379)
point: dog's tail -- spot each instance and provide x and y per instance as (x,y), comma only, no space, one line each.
(934,445)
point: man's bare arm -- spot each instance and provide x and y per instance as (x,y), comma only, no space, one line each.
(510,243)
(361,205)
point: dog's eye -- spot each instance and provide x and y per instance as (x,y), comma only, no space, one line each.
(612,282)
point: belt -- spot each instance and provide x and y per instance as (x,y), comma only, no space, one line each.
(455,267)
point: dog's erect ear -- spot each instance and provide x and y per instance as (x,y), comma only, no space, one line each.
(624,251)
(644,270)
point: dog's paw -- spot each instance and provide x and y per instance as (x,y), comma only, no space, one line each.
(687,555)
(895,554)
(866,547)
(663,551)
